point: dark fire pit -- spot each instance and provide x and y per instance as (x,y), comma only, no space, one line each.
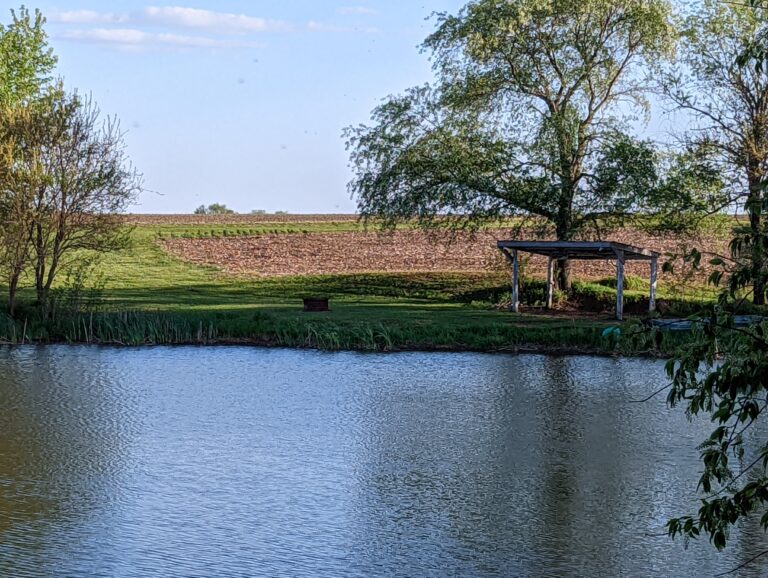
(315,304)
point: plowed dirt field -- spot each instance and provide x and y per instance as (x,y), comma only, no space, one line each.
(315,253)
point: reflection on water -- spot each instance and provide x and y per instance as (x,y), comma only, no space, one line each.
(247,462)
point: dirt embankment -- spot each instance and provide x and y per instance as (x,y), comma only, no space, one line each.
(400,251)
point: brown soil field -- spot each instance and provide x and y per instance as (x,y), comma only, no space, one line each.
(399,251)
(234,219)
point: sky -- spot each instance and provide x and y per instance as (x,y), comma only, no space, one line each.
(241,102)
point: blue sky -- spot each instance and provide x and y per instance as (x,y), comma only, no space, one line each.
(241,102)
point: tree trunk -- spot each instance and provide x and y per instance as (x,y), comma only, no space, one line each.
(40,289)
(13,286)
(570,158)
(758,256)
(758,259)
(39,264)
(564,275)
(564,233)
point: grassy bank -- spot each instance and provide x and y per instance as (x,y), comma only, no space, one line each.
(142,295)
(394,329)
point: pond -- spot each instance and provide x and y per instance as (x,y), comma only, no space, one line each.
(253,462)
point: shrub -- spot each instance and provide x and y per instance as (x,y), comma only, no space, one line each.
(631,283)
(214,209)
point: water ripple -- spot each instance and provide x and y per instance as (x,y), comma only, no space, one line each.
(247,462)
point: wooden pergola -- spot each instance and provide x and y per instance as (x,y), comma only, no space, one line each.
(580,250)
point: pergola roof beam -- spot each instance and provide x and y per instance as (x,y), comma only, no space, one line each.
(581,249)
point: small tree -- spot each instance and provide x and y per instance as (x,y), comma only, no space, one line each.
(722,373)
(526,118)
(64,176)
(214,209)
(26,63)
(21,175)
(88,182)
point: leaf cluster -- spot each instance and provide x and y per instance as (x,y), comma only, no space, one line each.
(528,116)
(724,374)
(26,60)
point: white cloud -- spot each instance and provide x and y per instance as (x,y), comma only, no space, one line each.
(131,37)
(315,26)
(356,10)
(174,17)
(87,17)
(129,29)
(225,22)
(323,27)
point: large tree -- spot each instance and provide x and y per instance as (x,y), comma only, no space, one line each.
(528,115)
(725,93)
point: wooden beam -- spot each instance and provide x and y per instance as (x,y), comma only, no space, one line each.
(579,249)
(620,285)
(654,282)
(550,282)
(515,282)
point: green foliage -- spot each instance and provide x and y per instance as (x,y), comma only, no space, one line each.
(723,373)
(64,179)
(631,283)
(26,61)
(523,119)
(721,81)
(276,329)
(214,209)
(81,290)
(693,189)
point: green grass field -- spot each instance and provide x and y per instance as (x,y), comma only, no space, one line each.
(147,296)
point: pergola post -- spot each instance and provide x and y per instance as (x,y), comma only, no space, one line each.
(654,282)
(550,282)
(515,282)
(620,285)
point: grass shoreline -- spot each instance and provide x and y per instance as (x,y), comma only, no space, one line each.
(508,335)
(142,295)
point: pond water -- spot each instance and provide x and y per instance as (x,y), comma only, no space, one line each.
(251,462)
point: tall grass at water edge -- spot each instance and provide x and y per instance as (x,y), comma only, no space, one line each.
(144,328)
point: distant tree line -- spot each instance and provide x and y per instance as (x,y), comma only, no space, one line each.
(214,209)
(222,209)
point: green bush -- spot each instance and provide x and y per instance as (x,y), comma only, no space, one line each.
(214,209)
(533,292)
(631,283)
